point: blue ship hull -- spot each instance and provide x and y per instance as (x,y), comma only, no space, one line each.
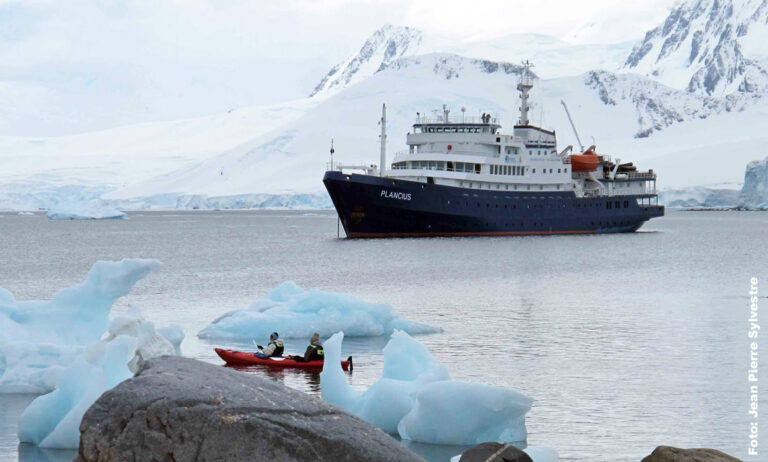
(372,206)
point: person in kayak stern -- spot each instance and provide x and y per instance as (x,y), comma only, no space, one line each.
(274,348)
(314,350)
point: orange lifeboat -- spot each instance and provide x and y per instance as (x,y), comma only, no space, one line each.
(586,162)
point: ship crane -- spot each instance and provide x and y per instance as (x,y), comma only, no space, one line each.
(572,125)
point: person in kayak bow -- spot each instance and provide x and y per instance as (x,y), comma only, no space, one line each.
(275,347)
(314,350)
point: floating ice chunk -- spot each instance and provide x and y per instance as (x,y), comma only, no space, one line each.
(173,334)
(26,213)
(297,313)
(408,367)
(83,211)
(151,343)
(38,338)
(452,412)
(53,420)
(416,398)
(542,454)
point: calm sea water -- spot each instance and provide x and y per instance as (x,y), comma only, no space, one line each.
(624,341)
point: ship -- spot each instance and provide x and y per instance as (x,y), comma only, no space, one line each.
(461,176)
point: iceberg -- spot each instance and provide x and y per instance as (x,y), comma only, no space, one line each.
(174,335)
(452,412)
(93,210)
(39,338)
(408,367)
(416,398)
(53,420)
(297,313)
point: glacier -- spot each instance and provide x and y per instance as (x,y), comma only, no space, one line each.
(711,197)
(53,420)
(416,398)
(297,313)
(39,338)
(93,210)
(754,194)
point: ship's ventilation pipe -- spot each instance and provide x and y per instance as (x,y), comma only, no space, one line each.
(591,176)
(383,136)
(616,169)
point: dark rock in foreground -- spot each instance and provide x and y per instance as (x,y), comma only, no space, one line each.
(182,409)
(495,452)
(670,454)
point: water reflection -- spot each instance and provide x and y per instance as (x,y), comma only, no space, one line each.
(443,452)
(32,453)
(309,379)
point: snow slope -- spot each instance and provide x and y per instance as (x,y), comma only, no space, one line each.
(619,111)
(45,172)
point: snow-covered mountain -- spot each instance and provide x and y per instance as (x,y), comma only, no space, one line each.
(708,47)
(553,57)
(384,46)
(275,156)
(618,111)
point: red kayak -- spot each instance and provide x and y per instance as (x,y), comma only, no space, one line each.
(243,358)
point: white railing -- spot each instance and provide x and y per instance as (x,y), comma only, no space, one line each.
(455,120)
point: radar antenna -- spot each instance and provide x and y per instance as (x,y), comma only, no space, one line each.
(524,86)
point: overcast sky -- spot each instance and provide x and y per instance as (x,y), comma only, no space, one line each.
(238,52)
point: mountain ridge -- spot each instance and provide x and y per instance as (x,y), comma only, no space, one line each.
(702,47)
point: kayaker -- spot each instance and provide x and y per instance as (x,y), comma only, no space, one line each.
(314,350)
(275,347)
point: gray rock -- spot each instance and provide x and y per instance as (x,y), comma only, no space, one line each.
(670,454)
(495,452)
(181,409)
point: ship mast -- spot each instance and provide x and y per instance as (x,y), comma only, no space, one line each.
(525,85)
(383,136)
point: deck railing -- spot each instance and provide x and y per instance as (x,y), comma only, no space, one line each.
(456,120)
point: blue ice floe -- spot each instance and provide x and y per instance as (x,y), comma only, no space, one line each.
(93,210)
(297,313)
(53,420)
(416,398)
(39,338)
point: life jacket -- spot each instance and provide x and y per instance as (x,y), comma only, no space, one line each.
(279,347)
(317,352)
